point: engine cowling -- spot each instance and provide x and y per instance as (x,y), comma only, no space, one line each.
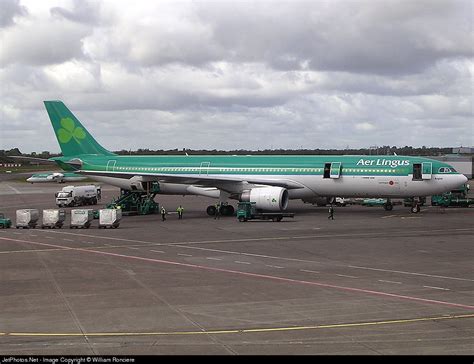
(267,198)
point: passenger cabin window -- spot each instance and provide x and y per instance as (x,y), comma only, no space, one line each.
(417,172)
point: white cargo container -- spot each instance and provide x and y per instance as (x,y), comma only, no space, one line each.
(53,219)
(81,218)
(110,218)
(26,218)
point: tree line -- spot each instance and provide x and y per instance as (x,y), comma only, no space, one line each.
(384,150)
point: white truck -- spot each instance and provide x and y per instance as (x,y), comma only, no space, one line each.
(78,195)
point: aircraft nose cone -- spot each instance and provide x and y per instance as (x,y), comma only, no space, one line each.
(463,179)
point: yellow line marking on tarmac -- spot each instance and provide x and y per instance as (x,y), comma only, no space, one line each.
(242,331)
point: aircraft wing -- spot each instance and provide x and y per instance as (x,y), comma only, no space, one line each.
(228,183)
(32,159)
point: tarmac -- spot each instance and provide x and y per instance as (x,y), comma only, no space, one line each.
(370,282)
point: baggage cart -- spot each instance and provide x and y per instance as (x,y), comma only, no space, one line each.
(53,219)
(27,218)
(110,218)
(81,218)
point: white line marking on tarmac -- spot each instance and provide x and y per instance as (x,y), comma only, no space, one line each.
(239,262)
(211,258)
(157,251)
(18,192)
(309,271)
(384,281)
(184,255)
(411,273)
(346,276)
(274,266)
(439,288)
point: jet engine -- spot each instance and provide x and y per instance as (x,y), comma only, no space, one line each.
(267,198)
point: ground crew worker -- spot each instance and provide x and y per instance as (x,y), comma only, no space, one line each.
(331,213)
(163,213)
(218,211)
(180,210)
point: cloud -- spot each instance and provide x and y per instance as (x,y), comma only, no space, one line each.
(83,11)
(9,10)
(240,74)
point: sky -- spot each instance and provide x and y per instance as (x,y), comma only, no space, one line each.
(235,74)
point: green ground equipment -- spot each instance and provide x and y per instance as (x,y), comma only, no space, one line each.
(5,222)
(246,211)
(138,202)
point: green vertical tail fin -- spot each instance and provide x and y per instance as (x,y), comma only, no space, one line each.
(72,137)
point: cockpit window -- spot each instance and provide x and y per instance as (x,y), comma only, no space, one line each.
(447,170)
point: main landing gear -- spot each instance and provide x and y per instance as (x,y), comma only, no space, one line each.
(225,210)
(415,204)
(388,206)
(415,208)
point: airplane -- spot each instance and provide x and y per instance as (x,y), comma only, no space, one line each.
(268,180)
(55,177)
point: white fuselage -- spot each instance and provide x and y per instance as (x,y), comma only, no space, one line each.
(316,185)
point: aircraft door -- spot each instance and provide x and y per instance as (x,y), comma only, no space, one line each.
(335,171)
(422,171)
(426,170)
(204,169)
(111,165)
(332,170)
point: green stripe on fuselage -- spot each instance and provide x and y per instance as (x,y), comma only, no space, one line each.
(256,165)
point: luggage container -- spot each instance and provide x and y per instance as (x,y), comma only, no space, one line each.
(27,218)
(53,219)
(110,218)
(81,218)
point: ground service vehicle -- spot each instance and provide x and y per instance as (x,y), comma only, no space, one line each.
(5,222)
(248,211)
(453,198)
(78,195)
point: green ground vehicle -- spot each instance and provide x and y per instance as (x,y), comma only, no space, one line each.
(374,202)
(454,198)
(5,222)
(138,202)
(247,211)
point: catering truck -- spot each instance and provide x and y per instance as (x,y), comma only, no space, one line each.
(78,195)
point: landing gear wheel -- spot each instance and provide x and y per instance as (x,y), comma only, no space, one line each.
(415,209)
(211,210)
(227,210)
(388,207)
